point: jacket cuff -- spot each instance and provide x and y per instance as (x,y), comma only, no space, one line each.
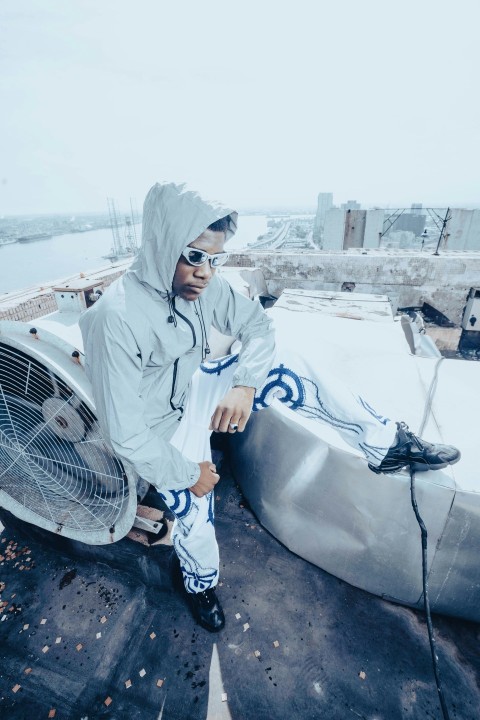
(193,474)
(243,377)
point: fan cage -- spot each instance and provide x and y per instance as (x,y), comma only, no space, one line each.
(55,469)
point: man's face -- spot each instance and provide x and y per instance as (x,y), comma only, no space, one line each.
(190,281)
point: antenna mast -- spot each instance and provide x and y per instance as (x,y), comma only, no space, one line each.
(112,213)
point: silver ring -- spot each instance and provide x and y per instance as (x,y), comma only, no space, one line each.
(234,426)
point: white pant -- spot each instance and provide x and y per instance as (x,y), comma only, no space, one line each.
(293,381)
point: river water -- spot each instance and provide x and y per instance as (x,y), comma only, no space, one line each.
(39,263)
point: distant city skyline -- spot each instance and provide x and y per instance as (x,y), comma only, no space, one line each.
(243,210)
(260,105)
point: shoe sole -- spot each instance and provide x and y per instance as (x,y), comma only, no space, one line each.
(416,467)
(209,627)
(423,467)
(201,622)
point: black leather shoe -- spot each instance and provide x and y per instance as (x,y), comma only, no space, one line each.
(419,454)
(207,610)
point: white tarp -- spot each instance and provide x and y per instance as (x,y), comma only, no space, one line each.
(317,495)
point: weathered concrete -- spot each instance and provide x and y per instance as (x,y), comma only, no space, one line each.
(463,230)
(33,303)
(408,278)
(446,339)
(37,302)
(334,229)
(354,228)
(373,228)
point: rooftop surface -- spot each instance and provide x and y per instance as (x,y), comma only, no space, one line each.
(101,632)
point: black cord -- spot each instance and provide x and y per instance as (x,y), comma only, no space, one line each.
(426,601)
(423,530)
(205,351)
(201,328)
(171,309)
(207,347)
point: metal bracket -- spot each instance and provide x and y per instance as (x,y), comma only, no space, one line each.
(152,526)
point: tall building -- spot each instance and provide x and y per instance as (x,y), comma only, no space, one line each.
(350,205)
(324,203)
(413,222)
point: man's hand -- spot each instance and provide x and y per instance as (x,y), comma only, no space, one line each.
(207,480)
(234,409)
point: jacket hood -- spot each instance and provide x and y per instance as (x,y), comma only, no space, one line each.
(173,217)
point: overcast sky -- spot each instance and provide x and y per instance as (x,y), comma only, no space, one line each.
(257,102)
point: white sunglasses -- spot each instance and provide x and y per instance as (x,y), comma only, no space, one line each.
(197,257)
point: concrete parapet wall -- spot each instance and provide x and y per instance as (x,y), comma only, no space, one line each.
(34,304)
(409,279)
(30,309)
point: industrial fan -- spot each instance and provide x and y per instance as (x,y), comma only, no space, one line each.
(56,471)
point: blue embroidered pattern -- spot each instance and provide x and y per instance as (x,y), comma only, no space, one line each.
(316,409)
(285,380)
(381,418)
(179,502)
(215,367)
(373,452)
(196,578)
(299,394)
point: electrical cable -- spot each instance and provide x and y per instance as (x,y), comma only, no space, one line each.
(426,601)
(430,396)
(424,535)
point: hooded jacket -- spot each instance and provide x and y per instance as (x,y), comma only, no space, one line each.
(142,344)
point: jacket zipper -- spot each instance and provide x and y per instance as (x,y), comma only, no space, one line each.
(177,312)
(175,364)
(174,382)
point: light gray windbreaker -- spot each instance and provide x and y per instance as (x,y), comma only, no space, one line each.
(140,363)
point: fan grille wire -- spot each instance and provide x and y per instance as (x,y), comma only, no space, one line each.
(53,460)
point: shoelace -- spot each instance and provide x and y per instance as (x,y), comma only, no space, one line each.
(410,437)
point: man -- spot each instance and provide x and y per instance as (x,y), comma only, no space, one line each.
(145,340)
